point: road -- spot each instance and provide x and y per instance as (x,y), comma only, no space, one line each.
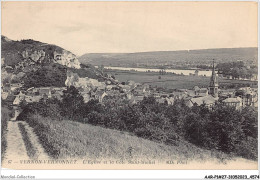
(22,144)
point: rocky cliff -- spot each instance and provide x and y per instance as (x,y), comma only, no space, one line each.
(38,64)
(30,51)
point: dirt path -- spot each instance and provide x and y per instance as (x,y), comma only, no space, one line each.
(22,144)
(15,150)
(40,153)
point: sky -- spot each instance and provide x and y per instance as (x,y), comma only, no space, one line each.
(105,27)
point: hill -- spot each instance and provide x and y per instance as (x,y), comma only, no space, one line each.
(39,64)
(21,53)
(172,58)
(74,140)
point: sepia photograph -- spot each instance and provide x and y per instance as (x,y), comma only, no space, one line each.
(129,85)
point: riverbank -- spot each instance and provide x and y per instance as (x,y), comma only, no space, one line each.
(173,81)
(185,72)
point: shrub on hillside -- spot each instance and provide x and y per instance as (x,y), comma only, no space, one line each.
(45,76)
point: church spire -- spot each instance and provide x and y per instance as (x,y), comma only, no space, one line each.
(213,69)
(213,86)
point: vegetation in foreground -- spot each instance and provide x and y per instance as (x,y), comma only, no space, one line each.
(68,139)
(5,116)
(220,128)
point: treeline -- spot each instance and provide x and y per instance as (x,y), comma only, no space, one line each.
(236,70)
(202,66)
(221,128)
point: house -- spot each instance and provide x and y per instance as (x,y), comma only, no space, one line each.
(207,100)
(202,92)
(100,95)
(131,83)
(136,99)
(108,82)
(110,87)
(125,88)
(196,72)
(161,100)
(57,94)
(247,90)
(86,96)
(129,95)
(30,99)
(6,88)
(196,88)
(141,89)
(182,90)
(254,77)
(165,100)
(179,95)
(45,91)
(190,93)
(10,99)
(18,100)
(4,95)
(156,94)
(170,100)
(9,69)
(109,75)
(235,102)
(15,86)
(227,92)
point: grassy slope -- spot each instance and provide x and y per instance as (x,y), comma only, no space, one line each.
(76,140)
(170,81)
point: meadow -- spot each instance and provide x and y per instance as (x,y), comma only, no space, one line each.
(171,81)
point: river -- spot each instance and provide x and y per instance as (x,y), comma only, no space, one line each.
(176,71)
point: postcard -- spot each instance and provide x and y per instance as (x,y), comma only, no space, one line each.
(129,85)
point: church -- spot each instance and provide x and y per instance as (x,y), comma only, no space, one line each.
(209,98)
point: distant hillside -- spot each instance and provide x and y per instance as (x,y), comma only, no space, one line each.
(157,58)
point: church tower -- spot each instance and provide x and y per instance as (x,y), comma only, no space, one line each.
(213,85)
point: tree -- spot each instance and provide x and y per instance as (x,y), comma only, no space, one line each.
(235,73)
(249,122)
(72,102)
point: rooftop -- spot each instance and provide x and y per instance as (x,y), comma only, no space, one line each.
(205,99)
(233,100)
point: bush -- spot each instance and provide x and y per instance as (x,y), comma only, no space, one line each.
(220,128)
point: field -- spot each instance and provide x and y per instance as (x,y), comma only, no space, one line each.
(171,81)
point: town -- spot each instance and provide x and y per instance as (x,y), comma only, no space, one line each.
(135,92)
